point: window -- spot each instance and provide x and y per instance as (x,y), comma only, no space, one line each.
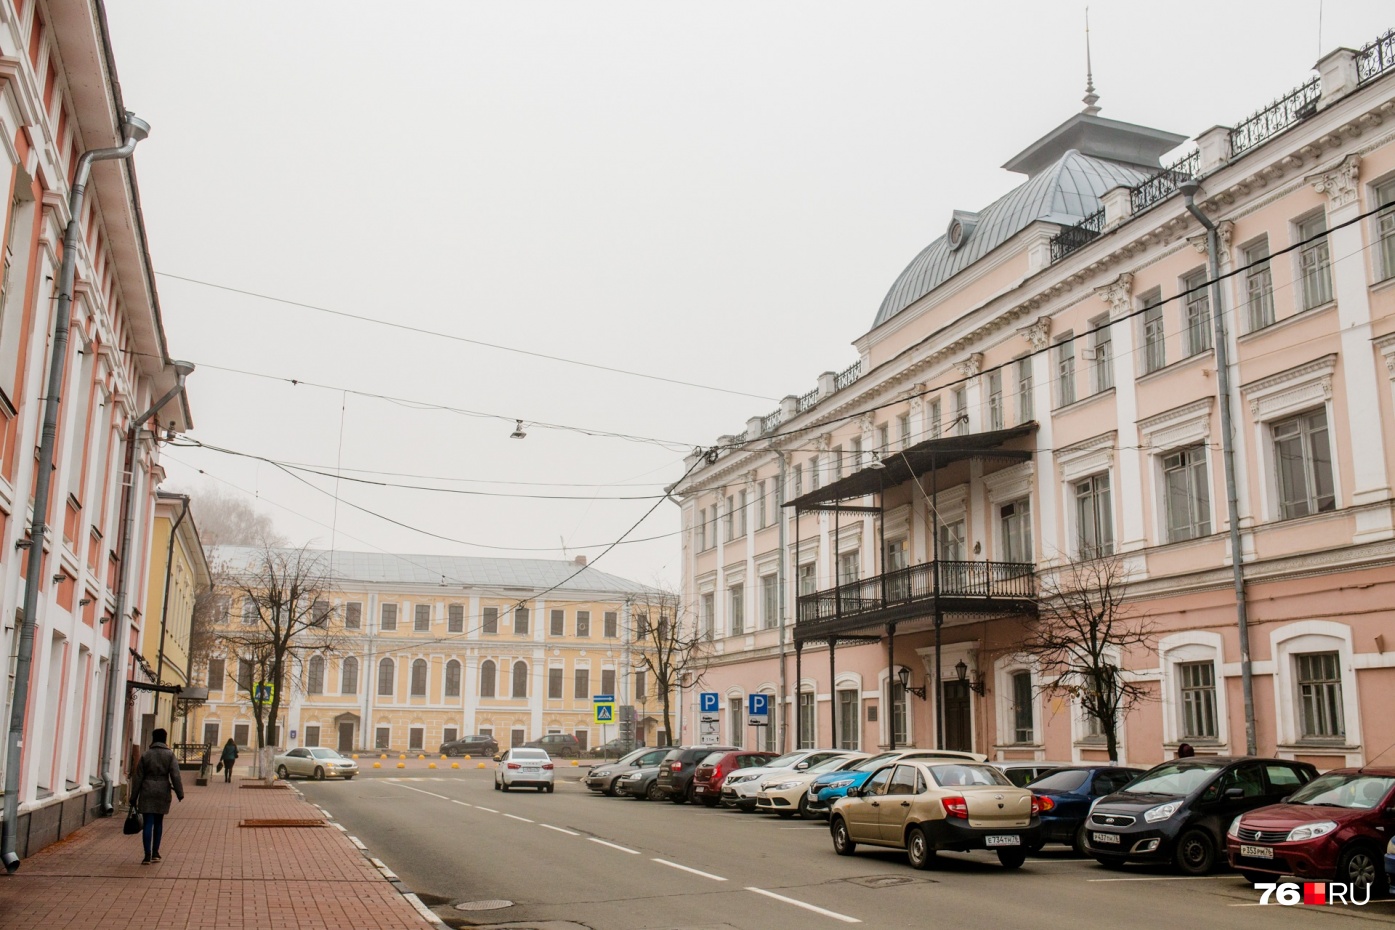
(903,430)
(806,720)
(452,679)
(849,566)
(244,675)
(769,602)
(741,514)
(709,616)
(1065,369)
(835,455)
(421,622)
(210,734)
(900,732)
(995,399)
(520,621)
(554,684)
(1094,517)
(641,689)
(883,439)
(582,686)
(797,479)
(612,624)
(765,736)
(961,411)
(312,736)
(729,521)
(520,679)
(315,675)
(808,578)
(935,416)
(1385,230)
(855,456)
(348,676)
(216,674)
(1303,458)
(389,617)
(455,618)
(386,670)
(557,623)
(607,681)
(382,738)
(1187,494)
(1314,261)
(353,615)
(952,547)
(1102,368)
(1198,682)
(583,623)
(1015,520)
(415,737)
(1259,286)
(250,613)
(319,614)
(241,734)
(487,678)
(1320,695)
(700,529)
(735,725)
(738,609)
(489,624)
(1197,313)
(849,706)
(1154,336)
(449,734)
(1023,728)
(894,561)
(1026,399)
(762,521)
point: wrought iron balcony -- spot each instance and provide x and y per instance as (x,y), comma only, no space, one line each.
(1376,58)
(1294,107)
(1071,238)
(966,587)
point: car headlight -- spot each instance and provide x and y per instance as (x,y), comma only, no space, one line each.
(840,783)
(602,773)
(1311,831)
(1234,829)
(782,786)
(1162,811)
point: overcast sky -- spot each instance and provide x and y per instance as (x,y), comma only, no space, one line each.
(714,193)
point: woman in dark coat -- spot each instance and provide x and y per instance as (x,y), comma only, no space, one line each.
(155,777)
(228,759)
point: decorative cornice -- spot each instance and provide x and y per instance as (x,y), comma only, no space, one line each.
(1288,390)
(971,366)
(1118,294)
(1339,182)
(1037,334)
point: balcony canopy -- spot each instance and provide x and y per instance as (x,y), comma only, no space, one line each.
(897,468)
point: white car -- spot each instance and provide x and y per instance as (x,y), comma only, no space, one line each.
(787,793)
(740,787)
(524,768)
(316,762)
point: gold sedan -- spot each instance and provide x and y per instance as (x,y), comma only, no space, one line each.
(925,807)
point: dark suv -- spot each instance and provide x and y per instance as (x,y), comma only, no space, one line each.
(476,746)
(675,780)
(557,744)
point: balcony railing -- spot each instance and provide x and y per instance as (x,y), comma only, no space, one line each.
(904,587)
(1297,105)
(770,421)
(1164,184)
(1376,58)
(1073,237)
(847,376)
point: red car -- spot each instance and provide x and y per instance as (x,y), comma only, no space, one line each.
(1334,828)
(714,769)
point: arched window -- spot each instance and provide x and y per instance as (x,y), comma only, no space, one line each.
(520,679)
(385,675)
(419,678)
(487,678)
(349,676)
(315,675)
(452,678)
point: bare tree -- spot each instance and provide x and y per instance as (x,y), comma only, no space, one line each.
(1081,632)
(674,652)
(227,520)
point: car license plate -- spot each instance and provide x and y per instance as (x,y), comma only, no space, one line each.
(992,841)
(528,770)
(1257,852)
(1110,838)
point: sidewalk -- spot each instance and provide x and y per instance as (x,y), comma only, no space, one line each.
(215,874)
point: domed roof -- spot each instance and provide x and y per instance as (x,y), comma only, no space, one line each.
(1063,192)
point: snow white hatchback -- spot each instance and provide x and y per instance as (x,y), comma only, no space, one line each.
(524,768)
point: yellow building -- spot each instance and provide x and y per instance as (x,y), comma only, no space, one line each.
(428,648)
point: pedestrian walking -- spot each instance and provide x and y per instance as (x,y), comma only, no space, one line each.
(229,758)
(156,775)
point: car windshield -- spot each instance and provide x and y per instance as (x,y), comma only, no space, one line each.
(787,760)
(1353,790)
(1069,780)
(949,776)
(831,765)
(1172,778)
(528,754)
(712,758)
(874,763)
(325,754)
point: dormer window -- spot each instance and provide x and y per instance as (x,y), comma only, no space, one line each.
(961,226)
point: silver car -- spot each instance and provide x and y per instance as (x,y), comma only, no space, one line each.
(318,763)
(520,768)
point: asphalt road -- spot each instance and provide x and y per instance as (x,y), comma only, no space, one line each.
(577,859)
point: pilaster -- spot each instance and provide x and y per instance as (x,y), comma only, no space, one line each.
(1128,475)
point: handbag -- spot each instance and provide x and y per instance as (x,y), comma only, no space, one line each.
(220,766)
(133,823)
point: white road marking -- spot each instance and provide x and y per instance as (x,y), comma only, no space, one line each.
(559,829)
(1162,878)
(461,803)
(427,793)
(633,852)
(674,865)
(480,807)
(516,817)
(808,907)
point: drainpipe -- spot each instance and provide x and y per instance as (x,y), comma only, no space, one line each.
(133,130)
(780,581)
(165,602)
(1189,188)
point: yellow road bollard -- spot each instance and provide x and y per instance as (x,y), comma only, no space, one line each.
(383,756)
(443,755)
(468,756)
(575,763)
(480,766)
(431,765)
(455,765)
(401,765)
(421,756)
(355,755)
(377,765)
(402,755)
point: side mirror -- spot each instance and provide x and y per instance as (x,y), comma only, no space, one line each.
(1234,794)
(854,792)
(801,766)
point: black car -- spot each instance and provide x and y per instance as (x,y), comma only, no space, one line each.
(603,776)
(1179,811)
(557,744)
(675,780)
(475,746)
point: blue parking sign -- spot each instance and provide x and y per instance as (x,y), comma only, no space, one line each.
(757,705)
(709,702)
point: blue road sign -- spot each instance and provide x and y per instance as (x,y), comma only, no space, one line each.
(603,698)
(604,706)
(757,705)
(709,702)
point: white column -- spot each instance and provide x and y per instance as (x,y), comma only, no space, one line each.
(1128,475)
(970,368)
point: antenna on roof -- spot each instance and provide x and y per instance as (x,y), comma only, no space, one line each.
(1091,98)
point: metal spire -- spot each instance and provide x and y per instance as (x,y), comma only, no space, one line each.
(1091,98)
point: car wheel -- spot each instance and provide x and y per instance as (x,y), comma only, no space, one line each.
(918,849)
(497,786)
(652,793)
(1196,853)
(842,842)
(549,789)
(542,788)
(1362,866)
(319,774)
(709,802)
(1012,858)
(504,786)
(1078,844)
(681,796)
(282,774)
(804,807)
(692,792)
(348,778)
(1110,862)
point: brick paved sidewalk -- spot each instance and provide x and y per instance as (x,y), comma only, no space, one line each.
(215,874)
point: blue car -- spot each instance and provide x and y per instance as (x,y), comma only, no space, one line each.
(826,789)
(1071,791)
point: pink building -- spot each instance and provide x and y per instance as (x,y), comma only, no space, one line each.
(1039,386)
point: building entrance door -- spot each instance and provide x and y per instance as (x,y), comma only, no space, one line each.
(346,737)
(958,723)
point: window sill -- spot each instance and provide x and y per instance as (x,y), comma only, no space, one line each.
(1082,402)
(1385,285)
(1178,365)
(1285,322)
(1319,745)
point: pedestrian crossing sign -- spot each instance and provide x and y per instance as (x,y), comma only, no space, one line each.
(262,692)
(605,712)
